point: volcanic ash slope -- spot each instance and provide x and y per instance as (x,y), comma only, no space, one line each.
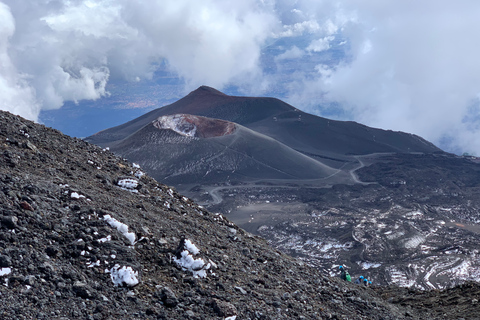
(182,149)
(87,235)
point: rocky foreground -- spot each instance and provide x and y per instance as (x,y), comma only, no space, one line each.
(85,234)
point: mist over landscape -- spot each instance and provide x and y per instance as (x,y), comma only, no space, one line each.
(404,66)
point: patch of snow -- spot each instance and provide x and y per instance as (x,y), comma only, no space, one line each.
(123,276)
(94,264)
(128,184)
(5,271)
(121,227)
(136,165)
(139,174)
(191,247)
(177,123)
(231,318)
(414,242)
(368,265)
(106,239)
(196,266)
(75,195)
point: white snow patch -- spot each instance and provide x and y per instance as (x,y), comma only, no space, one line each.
(368,265)
(414,242)
(136,165)
(75,195)
(94,264)
(121,227)
(177,123)
(191,247)
(106,239)
(231,318)
(123,276)
(5,271)
(139,174)
(128,184)
(188,262)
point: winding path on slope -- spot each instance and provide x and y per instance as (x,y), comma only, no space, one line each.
(214,192)
(362,164)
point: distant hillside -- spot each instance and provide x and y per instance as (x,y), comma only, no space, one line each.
(182,154)
(312,135)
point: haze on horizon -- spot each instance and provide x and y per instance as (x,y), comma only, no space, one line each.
(401,65)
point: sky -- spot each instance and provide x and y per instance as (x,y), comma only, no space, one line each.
(405,65)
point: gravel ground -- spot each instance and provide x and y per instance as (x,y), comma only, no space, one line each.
(85,234)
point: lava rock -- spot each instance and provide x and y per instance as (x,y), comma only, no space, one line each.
(10,222)
(5,261)
(223,308)
(82,290)
(168,297)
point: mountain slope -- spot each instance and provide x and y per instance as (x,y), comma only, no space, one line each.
(313,135)
(180,154)
(85,234)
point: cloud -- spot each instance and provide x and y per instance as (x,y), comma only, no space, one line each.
(57,51)
(16,95)
(410,70)
(292,53)
(319,45)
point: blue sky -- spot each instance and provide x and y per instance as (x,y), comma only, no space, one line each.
(82,66)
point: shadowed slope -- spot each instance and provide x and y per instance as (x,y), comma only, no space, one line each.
(182,149)
(312,135)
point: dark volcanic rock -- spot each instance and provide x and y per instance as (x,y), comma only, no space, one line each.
(313,135)
(168,297)
(174,150)
(223,308)
(96,250)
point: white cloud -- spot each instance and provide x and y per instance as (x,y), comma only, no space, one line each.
(320,45)
(292,53)
(410,70)
(299,28)
(16,95)
(68,50)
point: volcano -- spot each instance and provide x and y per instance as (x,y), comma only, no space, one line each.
(187,149)
(314,136)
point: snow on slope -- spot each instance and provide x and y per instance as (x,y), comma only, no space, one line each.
(178,123)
